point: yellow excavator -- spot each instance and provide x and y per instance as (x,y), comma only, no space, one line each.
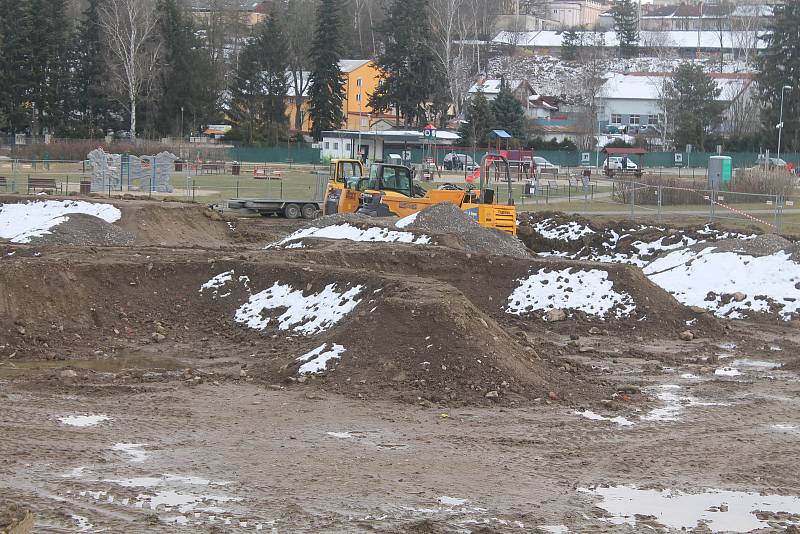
(389,190)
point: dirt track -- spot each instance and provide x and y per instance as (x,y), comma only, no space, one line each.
(214,430)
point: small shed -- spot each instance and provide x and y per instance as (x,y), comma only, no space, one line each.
(500,136)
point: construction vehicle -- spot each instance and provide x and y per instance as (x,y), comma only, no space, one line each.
(389,190)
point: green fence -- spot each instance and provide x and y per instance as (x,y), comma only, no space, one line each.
(282,154)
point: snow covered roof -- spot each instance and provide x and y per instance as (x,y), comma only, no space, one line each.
(667,39)
(643,86)
(442,135)
(492,87)
(349,65)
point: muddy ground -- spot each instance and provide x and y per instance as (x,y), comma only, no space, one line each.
(445,415)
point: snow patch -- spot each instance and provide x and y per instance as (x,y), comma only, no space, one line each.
(83,524)
(349,232)
(619,420)
(19,223)
(309,315)
(451,501)
(571,231)
(317,360)
(590,291)
(134,450)
(406,221)
(727,371)
(83,420)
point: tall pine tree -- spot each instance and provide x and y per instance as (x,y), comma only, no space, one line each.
(479,121)
(16,54)
(49,46)
(691,97)
(187,78)
(258,107)
(327,83)
(626,26)
(779,66)
(412,77)
(508,112)
(570,45)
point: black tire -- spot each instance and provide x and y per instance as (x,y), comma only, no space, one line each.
(309,211)
(292,211)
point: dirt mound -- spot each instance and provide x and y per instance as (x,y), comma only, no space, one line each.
(762,245)
(85,230)
(446,218)
(14,519)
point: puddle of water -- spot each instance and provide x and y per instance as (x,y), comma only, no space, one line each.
(83,524)
(340,435)
(554,529)
(132,449)
(166,479)
(674,404)
(619,420)
(758,364)
(83,420)
(727,371)
(786,427)
(720,511)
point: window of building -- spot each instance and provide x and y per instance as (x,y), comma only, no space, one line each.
(653,119)
(635,120)
(336,146)
(327,145)
(359,82)
(358,97)
(364,122)
(616,118)
(347,147)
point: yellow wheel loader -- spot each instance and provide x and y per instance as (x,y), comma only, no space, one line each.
(389,190)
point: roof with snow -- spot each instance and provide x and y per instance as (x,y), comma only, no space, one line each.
(492,87)
(666,39)
(648,86)
(349,65)
(393,135)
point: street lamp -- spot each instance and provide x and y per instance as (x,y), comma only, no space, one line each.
(780,123)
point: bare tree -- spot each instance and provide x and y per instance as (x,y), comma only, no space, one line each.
(300,17)
(133,51)
(743,113)
(592,57)
(445,22)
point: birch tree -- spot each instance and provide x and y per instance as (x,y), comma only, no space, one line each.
(129,27)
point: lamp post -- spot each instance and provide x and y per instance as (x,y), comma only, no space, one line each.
(780,123)
(180,143)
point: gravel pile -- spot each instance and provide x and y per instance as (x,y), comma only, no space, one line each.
(446,218)
(85,230)
(762,245)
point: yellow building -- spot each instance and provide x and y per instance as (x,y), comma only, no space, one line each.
(361,79)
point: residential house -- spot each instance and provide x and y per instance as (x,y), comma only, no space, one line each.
(250,12)
(636,99)
(701,16)
(361,78)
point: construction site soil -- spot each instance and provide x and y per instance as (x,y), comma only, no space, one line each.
(173,372)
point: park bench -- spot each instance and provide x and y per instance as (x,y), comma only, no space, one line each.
(41,183)
(552,185)
(4,183)
(212,168)
(266,173)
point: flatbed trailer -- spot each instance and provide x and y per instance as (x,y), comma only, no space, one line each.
(289,208)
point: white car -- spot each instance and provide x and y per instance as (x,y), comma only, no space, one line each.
(614,163)
(542,165)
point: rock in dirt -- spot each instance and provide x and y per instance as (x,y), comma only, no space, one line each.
(158,337)
(492,395)
(739,296)
(553,316)
(595,331)
(686,335)
(68,373)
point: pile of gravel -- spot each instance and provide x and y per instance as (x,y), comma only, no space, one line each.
(762,245)
(86,230)
(446,218)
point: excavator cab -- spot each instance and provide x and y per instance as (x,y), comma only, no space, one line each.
(338,198)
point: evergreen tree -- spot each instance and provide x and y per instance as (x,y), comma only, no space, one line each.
(49,45)
(258,106)
(187,97)
(411,74)
(479,121)
(626,26)
(327,84)
(90,103)
(508,112)
(16,55)
(691,98)
(779,66)
(570,45)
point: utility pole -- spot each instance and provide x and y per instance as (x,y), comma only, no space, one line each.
(780,120)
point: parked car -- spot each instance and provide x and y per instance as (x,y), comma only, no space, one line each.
(542,165)
(457,162)
(773,162)
(614,163)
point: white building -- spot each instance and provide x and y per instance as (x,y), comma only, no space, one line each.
(575,13)
(636,99)
(377,145)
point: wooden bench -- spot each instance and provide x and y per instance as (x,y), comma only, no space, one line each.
(41,183)
(212,168)
(552,185)
(266,173)
(4,183)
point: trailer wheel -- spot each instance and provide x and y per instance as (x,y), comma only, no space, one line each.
(310,211)
(292,211)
